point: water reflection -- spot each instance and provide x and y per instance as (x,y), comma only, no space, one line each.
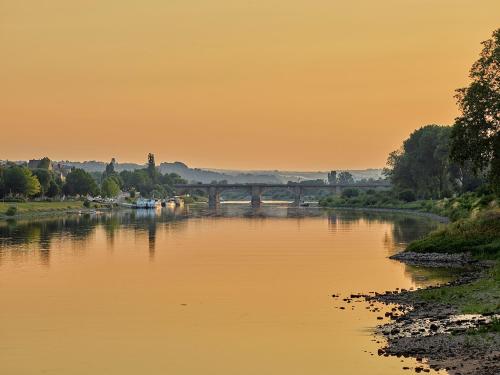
(18,237)
(144,291)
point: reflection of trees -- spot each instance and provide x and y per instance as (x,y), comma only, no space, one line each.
(38,236)
(405,227)
(423,276)
(19,236)
(409,228)
(110,224)
(151,240)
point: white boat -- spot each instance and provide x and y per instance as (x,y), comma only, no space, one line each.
(146,203)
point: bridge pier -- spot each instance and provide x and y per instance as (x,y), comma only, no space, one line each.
(298,193)
(213,197)
(256,196)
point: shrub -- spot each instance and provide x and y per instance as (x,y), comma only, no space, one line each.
(371,200)
(350,192)
(407,195)
(86,203)
(11,211)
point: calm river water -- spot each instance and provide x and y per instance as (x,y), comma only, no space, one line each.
(236,291)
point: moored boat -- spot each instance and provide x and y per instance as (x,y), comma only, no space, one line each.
(146,203)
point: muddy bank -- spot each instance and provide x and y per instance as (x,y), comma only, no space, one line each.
(458,260)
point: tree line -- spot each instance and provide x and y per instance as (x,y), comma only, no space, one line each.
(439,161)
(19,181)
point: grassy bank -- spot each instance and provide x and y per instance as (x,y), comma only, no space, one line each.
(455,208)
(16,209)
(479,297)
(479,235)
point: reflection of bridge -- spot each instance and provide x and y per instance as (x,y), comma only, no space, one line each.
(255,190)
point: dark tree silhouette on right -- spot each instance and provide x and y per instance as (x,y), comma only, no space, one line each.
(476,133)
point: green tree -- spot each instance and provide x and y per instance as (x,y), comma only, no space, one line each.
(3,190)
(345,178)
(332,177)
(54,189)
(476,133)
(79,182)
(422,164)
(20,180)
(152,167)
(110,188)
(110,168)
(44,176)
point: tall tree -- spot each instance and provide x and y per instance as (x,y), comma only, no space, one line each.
(20,180)
(110,168)
(422,164)
(151,166)
(332,177)
(44,176)
(476,133)
(345,178)
(110,188)
(79,182)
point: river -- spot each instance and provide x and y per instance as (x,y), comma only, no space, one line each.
(188,291)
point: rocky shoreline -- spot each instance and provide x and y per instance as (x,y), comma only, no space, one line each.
(436,333)
(459,260)
(439,332)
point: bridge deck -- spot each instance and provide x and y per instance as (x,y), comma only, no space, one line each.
(249,185)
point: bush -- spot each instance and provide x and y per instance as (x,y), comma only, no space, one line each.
(86,203)
(407,196)
(371,200)
(11,211)
(350,192)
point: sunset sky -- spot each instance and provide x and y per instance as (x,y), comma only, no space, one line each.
(274,84)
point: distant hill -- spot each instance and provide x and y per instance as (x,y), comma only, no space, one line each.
(207,175)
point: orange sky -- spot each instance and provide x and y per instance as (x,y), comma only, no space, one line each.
(295,84)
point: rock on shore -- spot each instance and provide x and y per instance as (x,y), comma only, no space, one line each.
(438,332)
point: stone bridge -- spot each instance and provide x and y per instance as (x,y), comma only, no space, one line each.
(255,190)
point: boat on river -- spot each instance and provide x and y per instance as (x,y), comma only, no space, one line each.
(146,203)
(176,201)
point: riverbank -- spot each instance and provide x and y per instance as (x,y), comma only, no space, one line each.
(26,210)
(454,208)
(453,326)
